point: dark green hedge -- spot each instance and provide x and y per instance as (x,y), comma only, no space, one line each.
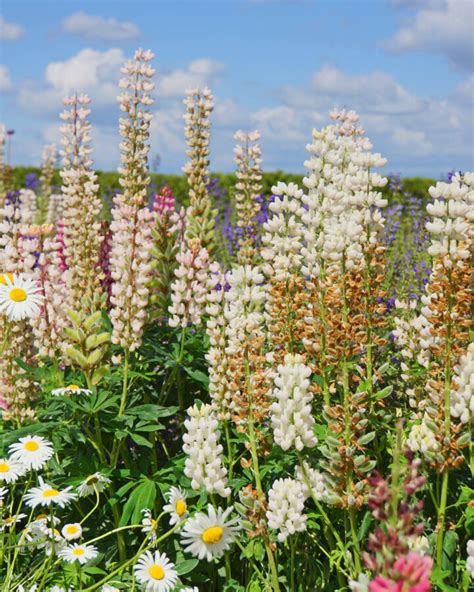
(109,181)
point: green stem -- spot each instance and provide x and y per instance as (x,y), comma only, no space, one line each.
(93,509)
(228,572)
(353,521)
(441,518)
(395,478)
(230,450)
(447,422)
(292,564)
(123,399)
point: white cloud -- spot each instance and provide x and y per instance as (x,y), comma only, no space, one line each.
(413,140)
(10,31)
(385,93)
(414,132)
(445,27)
(5,81)
(96,27)
(199,73)
(91,71)
(282,123)
(229,115)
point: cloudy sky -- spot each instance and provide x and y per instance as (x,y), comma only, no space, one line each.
(274,65)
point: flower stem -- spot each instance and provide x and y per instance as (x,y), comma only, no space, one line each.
(441,518)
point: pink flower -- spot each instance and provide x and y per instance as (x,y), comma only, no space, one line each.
(409,573)
(381,584)
(163,201)
(414,569)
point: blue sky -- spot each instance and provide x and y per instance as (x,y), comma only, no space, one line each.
(278,66)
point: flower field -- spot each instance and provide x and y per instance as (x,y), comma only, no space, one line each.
(233,390)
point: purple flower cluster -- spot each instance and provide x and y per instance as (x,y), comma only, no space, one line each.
(406,240)
(232,233)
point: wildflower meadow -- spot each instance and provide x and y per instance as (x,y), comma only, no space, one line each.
(231,388)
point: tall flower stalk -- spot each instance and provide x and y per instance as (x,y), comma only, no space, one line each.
(130,257)
(81,206)
(248,159)
(46,181)
(201,213)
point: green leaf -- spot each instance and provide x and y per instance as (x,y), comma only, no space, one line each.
(143,496)
(385,392)
(450,543)
(198,376)
(152,412)
(438,576)
(184,567)
(141,441)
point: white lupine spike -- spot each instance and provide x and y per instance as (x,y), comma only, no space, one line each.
(244,306)
(204,462)
(283,233)
(216,358)
(422,439)
(81,204)
(316,479)
(291,412)
(462,396)
(342,204)
(285,511)
(451,227)
(189,289)
(130,257)
(470,558)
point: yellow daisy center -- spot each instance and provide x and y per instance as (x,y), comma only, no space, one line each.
(3,278)
(56,531)
(78,552)
(92,479)
(180,507)
(72,529)
(156,572)
(73,387)
(9,520)
(18,295)
(212,535)
(41,516)
(31,446)
(50,493)
(4,467)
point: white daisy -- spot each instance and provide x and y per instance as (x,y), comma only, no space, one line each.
(71,389)
(176,506)
(93,483)
(19,297)
(155,572)
(58,589)
(193,589)
(32,451)
(10,521)
(11,470)
(49,539)
(40,534)
(3,493)
(32,589)
(72,531)
(209,535)
(46,494)
(109,588)
(46,519)
(149,523)
(81,553)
